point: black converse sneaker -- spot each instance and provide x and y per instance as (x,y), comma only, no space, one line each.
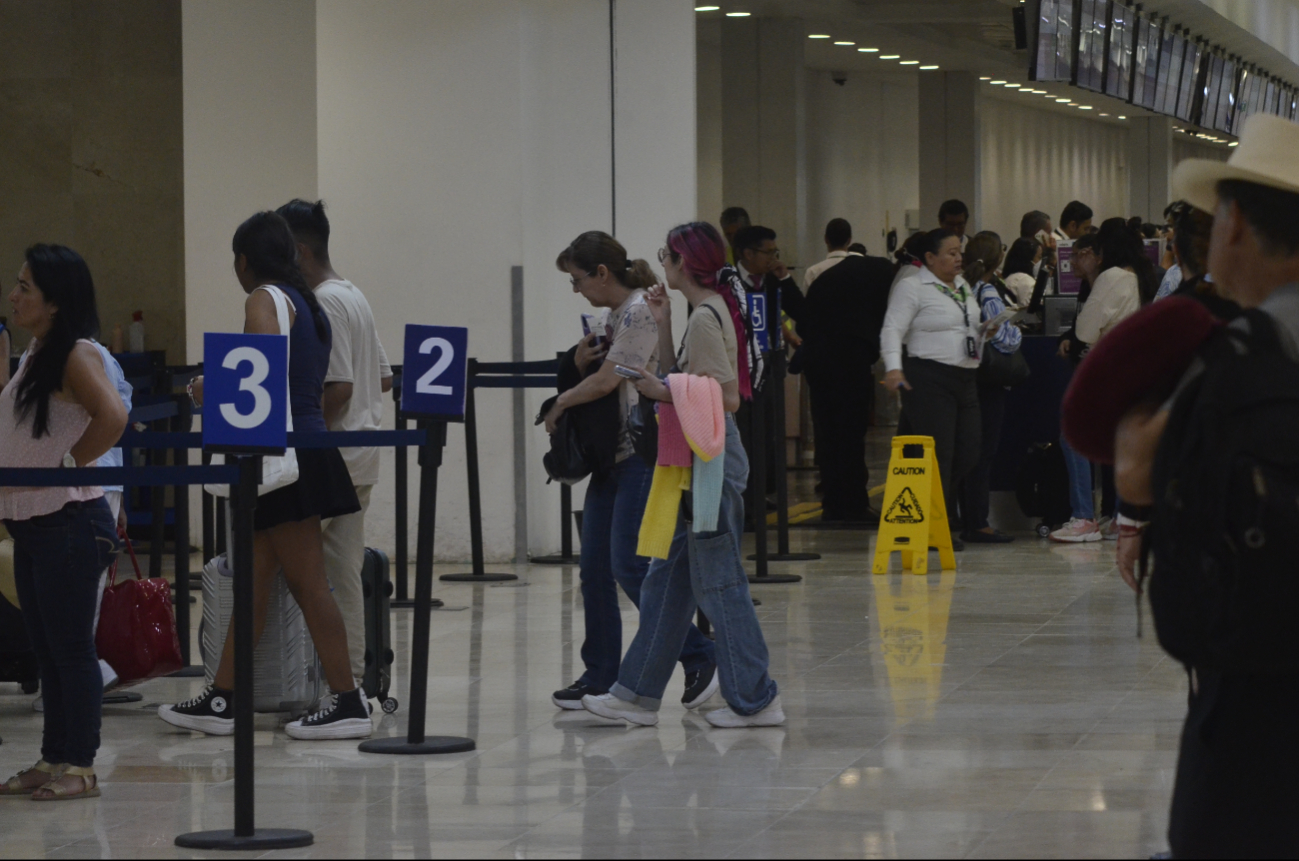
(212,712)
(571,697)
(344,715)
(700,686)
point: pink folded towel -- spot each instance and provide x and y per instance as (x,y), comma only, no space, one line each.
(698,406)
(673,448)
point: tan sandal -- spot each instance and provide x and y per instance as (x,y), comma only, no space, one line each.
(14,785)
(89,784)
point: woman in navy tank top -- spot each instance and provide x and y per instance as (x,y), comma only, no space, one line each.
(287,520)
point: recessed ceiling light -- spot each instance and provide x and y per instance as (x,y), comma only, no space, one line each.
(889,56)
(985,78)
(1122,118)
(845,43)
(998,83)
(1073,104)
(909,63)
(1084,107)
(869,50)
(1040,93)
(707,8)
(1234,143)
(738,14)
(927,68)
(819,36)
(1104,114)
(1062,101)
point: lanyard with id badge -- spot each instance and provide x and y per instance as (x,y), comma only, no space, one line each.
(971,345)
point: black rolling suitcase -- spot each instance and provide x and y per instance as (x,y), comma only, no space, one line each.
(17,660)
(377,586)
(1042,487)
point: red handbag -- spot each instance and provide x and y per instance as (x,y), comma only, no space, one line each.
(137,626)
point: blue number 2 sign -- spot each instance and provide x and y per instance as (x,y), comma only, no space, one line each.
(245,392)
(433,373)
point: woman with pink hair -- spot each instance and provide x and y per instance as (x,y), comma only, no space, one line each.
(702,568)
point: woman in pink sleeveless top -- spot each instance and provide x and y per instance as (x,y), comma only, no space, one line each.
(60,410)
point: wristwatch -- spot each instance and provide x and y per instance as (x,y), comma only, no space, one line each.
(69,462)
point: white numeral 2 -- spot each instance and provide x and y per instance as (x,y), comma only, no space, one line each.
(424,385)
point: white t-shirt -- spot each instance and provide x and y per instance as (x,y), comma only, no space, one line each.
(1114,298)
(358,358)
(633,343)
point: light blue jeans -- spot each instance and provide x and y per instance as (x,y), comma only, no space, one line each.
(702,569)
(1080,482)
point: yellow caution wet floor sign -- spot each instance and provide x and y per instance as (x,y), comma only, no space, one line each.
(914,510)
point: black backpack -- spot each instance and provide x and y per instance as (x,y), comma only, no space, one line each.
(1225,532)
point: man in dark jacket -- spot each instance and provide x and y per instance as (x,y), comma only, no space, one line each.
(840,324)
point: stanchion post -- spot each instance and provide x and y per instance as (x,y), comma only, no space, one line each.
(245,834)
(399,556)
(180,532)
(415,741)
(478,573)
(779,371)
(758,466)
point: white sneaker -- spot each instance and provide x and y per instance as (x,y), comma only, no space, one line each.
(38,705)
(108,673)
(609,706)
(1077,532)
(727,718)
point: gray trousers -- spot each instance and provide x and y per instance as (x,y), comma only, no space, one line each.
(943,402)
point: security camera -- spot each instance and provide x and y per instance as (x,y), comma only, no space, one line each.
(839,78)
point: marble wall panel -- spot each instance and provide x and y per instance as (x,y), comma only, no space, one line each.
(91,151)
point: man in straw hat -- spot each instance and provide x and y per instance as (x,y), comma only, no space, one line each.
(1212,457)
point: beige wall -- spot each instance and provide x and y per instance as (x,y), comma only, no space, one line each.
(90,151)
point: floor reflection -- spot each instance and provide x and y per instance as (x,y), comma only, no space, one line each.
(911,614)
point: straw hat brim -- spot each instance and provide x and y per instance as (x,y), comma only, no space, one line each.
(1195,180)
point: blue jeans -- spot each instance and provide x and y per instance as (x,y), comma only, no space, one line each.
(1080,482)
(57,562)
(611,519)
(702,567)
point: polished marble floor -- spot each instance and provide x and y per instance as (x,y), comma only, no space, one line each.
(1003,710)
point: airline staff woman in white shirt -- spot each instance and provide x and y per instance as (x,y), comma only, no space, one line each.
(936,313)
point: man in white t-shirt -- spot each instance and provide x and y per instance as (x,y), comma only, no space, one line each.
(359,375)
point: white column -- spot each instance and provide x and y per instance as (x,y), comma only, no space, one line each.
(250,138)
(1150,166)
(950,137)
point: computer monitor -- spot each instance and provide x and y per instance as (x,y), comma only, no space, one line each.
(1093,23)
(1145,66)
(1190,86)
(1118,71)
(1050,36)
(1170,72)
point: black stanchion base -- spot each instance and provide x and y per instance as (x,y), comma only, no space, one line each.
(755,580)
(787,557)
(261,838)
(188,673)
(557,559)
(477,578)
(410,604)
(432,744)
(119,698)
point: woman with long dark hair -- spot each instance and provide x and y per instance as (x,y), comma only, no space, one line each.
(601,272)
(60,410)
(701,568)
(287,520)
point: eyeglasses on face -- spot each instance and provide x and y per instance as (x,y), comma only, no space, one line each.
(573,282)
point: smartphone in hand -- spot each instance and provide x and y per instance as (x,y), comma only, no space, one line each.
(628,373)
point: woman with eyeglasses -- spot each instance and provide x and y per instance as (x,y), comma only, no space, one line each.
(935,313)
(702,569)
(601,272)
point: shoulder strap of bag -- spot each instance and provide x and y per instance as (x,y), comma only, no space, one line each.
(281,308)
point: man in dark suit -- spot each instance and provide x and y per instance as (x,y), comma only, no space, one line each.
(842,315)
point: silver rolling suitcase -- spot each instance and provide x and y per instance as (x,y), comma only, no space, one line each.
(286,671)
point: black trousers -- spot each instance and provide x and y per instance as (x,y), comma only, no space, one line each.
(1237,788)
(841,410)
(975,487)
(943,402)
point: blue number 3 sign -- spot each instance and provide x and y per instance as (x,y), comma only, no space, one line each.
(245,392)
(433,372)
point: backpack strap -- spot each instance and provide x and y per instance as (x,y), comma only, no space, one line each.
(677,363)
